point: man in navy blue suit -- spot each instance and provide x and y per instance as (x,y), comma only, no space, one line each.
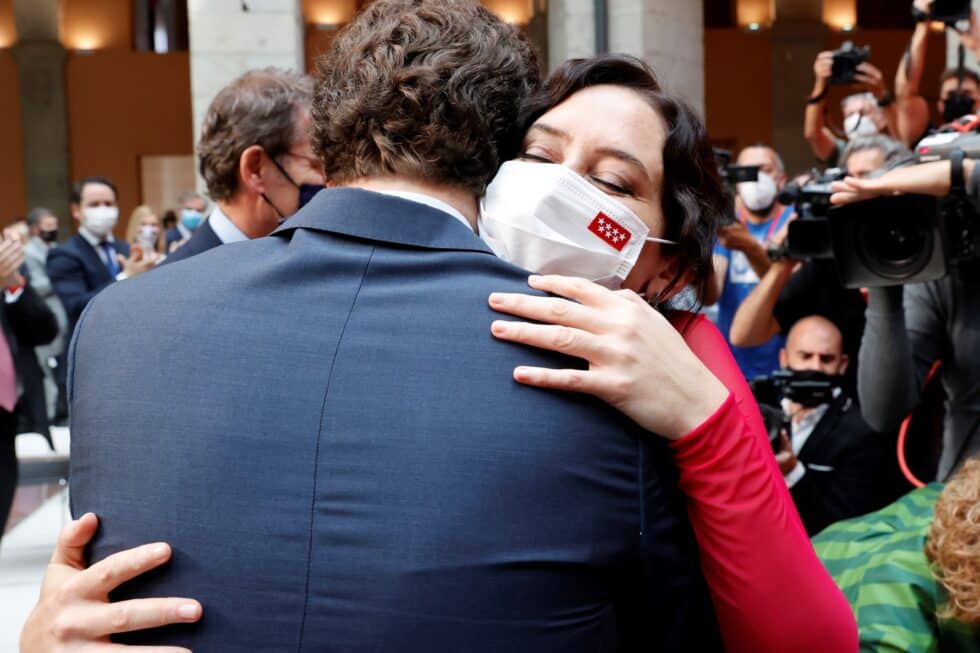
(256,156)
(342,462)
(92,259)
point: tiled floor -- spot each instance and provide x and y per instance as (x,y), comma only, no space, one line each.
(23,556)
(38,514)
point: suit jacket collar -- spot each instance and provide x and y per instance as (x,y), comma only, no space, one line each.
(384,218)
(827,425)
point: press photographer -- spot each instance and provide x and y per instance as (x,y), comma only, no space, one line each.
(959,88)
(835,465)
(911,326)
(866,113)
(791,290)
(740,258)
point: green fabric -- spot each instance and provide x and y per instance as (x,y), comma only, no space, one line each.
(879,562)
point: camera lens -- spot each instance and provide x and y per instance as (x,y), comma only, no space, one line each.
(896,247)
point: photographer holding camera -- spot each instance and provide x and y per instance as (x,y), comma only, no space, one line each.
(741,257)
(869,112)
(835,465)
(910,327)
(959,88)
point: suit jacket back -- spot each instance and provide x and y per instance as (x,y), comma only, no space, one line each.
(352,467)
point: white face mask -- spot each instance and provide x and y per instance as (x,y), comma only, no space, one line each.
(147,235)
(758,196)
(100,220)
(856,125)
(548,219)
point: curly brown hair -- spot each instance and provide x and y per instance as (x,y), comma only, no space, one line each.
(258,108)
(426,89)
(693,198)
(953,545)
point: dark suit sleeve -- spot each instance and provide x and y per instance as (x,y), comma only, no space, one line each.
(855,486)
(67,276)
(31,320)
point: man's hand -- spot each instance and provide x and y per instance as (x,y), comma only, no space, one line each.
(138,261)
(871,79)
(822,68)
(785,458)
(924,6)
(971,37)
(73,612)
(736,236)
(11,259)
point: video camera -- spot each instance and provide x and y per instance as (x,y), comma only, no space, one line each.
(733,175)
(891,240)
(946,11)
(846,62)
(809,388)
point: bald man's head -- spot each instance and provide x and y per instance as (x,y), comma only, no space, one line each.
(814,343)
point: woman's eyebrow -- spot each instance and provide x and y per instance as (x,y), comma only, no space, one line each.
(551,131)
(625,157)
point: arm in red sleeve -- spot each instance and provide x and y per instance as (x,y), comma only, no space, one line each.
(771,592)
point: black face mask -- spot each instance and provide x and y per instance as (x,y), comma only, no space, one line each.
(49,236)
(957,105)
(306,192)
(810,388)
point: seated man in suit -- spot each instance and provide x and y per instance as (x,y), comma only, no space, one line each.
(836,466)
(92,259)
(261,118)
(350,466)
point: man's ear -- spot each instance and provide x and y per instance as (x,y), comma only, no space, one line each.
(783,359)
(250,165)
(844,362)
(76,211)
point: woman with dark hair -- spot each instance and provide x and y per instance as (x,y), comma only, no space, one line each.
(605,123)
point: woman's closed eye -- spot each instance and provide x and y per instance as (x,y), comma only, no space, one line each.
(612,187)
(534,158)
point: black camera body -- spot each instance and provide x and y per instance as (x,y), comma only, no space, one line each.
(732,175)
(846,61)
(809,236)
(948,11)
(807,388)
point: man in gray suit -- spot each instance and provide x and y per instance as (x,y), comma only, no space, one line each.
(43,225)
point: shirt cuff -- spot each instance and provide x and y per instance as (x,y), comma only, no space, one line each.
(121,276)
(13,297)
(795,475)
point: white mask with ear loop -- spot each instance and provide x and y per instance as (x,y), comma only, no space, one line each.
(858,124)
(548,219)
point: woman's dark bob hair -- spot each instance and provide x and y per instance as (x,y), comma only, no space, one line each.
(693,197)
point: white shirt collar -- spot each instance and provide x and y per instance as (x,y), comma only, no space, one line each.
(429,201)
(224,228)
(803,428)
(92,240)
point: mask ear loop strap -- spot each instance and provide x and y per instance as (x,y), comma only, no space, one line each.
(661,241)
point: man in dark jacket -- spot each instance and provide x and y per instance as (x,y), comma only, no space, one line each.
(836,465)
(26,322)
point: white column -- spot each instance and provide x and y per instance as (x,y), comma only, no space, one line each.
(571,30)
(230,37)
(668,35)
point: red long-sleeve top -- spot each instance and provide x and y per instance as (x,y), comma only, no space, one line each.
(770,591)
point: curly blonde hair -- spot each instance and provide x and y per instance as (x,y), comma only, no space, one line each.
(953,545)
